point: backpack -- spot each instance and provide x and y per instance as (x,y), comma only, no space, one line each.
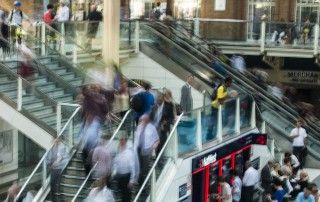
(157,14)
(137,102)
(11,16)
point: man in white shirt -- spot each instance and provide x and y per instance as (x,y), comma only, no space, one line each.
(146,142)
(126,169)
(62,12)
(236,186)
(249,181)
(299,136)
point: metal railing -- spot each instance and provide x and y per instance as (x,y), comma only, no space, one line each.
(42,161)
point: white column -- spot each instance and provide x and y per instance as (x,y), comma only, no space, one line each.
(199,131)
(111,31)
(237,121)
(263,127)
(253,115)
(62,40)
(196,27)
(316,40)
(74,54)
(262,36)
(153,186)
(70,134)
(219,127)
(44,172)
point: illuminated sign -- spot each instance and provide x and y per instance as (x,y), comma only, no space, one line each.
(301,77)
(208,160)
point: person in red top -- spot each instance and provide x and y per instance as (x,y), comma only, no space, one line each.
(48,15)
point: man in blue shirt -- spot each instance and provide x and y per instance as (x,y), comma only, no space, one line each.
(148,101)
(306,195)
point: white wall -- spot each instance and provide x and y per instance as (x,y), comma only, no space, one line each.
(13,165)
(143,67)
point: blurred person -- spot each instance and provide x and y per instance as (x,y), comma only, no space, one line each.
(126,166)
(167,118)
(101,193)
(48,16)
(286,168)
(143,101)
(238,62)
(306,195)
(306,30)
(94,18)
(276,90)
(121,103)
(62,15)
(146,142)
(301,183)
(249,181)
(299,136)
(278,193)
(90,134)
(236,186)
(12,192)
(314,192)
(101,155)
(156,111)
(58,158)
(226,191)
(15,18)
(294,161)
(4,35)
(25,57)
(220,94)
(266,177)
(186,100)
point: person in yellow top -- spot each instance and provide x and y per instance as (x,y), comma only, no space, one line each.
(220,95)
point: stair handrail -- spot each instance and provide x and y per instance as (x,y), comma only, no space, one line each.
(108,144)
(46,154)
(172,133)
(272,100)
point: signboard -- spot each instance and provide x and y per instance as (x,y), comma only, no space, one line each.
(183,189)
(220,153)
(301,77)
(220,5)
(6,147)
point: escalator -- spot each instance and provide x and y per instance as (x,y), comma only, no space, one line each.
(181,53)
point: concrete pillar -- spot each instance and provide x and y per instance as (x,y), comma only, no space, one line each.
(111,31)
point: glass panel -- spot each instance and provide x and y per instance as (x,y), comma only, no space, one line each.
(228,117)
(127,35)
(209,120)
(290,35)
(186,132)
(245,111)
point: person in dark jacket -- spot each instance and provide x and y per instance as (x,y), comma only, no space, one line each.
(266,177)
(94,18)
(186,101)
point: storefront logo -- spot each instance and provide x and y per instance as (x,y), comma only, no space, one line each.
(208,160)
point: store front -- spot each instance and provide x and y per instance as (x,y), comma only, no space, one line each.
(219,162)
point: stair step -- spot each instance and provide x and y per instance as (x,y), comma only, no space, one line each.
(41,111)
(67,98)
(3,78)
(47,87)
(7,84)
(68,76)
(33,105)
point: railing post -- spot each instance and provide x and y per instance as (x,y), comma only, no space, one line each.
(219,124)
(263,127)
(272,148)
(153,187)
(237,121)
(199,131)
(62,45)
(316,40)
(70,134)
(74,54)
(44,172)
(137,37)
(58,118)
(262,36)
(175,145)
(196,27)
(19,94)
(43,39)
(253,115)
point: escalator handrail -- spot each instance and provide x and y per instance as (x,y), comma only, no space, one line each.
(271,100)
(158,157)
(243,77)
(46,154)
